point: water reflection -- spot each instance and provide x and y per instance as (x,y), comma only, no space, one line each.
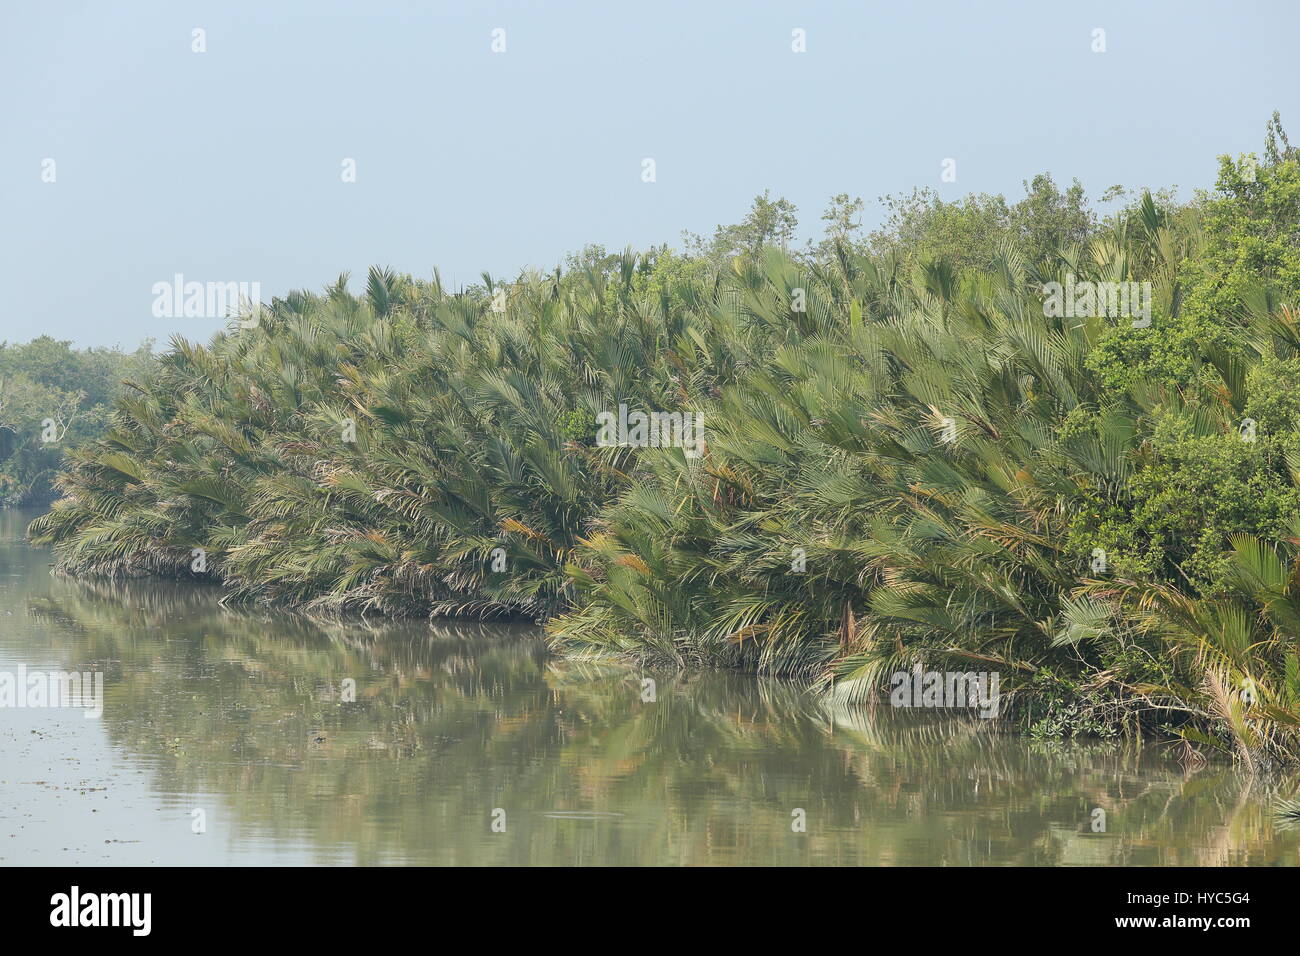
(245,713)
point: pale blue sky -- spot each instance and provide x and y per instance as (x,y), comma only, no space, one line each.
(225,166)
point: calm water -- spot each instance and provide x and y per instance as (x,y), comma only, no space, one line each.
(239,715)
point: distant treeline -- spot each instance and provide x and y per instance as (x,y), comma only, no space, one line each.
(53,396)
(1035,438)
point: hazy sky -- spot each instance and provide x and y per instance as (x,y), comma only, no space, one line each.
(227,165)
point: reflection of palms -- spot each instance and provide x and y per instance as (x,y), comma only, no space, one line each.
(449,716)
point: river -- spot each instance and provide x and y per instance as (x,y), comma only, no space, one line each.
(231,737)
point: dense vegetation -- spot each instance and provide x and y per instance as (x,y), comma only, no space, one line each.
(911,457)
(52,397)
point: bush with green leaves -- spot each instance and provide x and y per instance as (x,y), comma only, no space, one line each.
(53,397)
